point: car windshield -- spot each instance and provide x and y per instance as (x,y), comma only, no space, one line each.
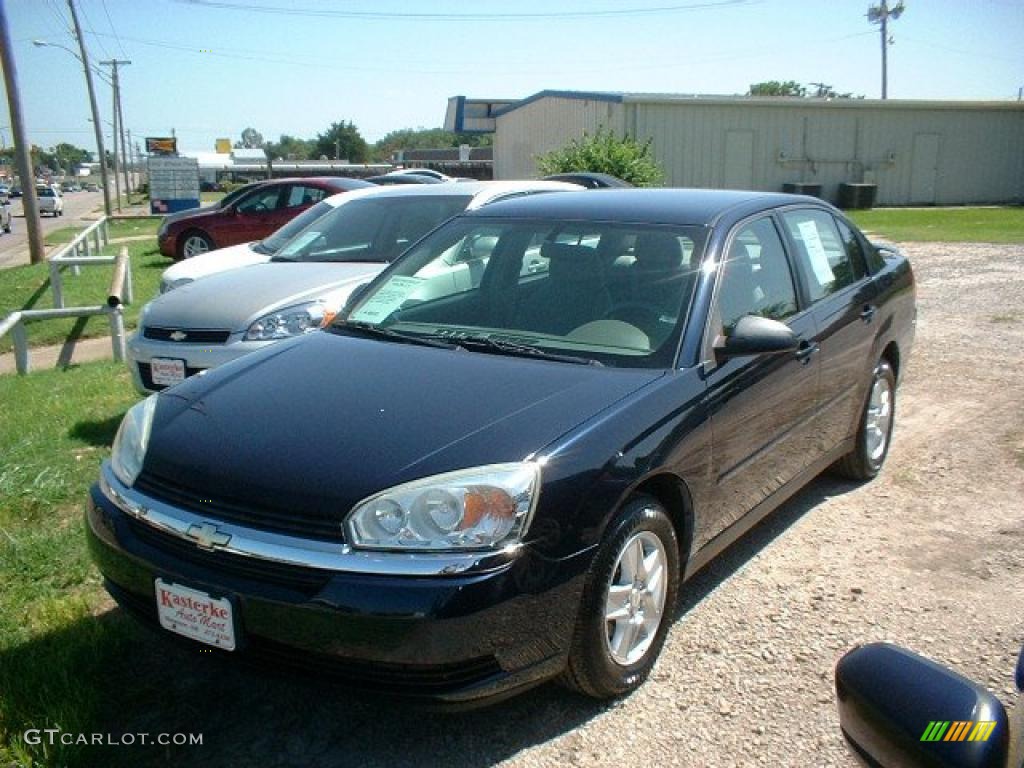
(617,294)
(376,229)
(279,238)
(44,192)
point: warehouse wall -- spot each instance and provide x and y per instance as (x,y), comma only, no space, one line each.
(547,124)
(917,154)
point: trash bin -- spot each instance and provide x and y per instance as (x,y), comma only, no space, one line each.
(857,196)
(802,188)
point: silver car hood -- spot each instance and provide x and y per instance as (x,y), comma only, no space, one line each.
(232,300)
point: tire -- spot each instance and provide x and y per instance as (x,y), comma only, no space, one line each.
(193,243)
(605,661)
(874,433)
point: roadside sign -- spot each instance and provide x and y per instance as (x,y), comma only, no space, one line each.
(223,146)
(173,184)
(161,146)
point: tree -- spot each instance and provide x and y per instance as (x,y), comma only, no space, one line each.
(426,138)
(776,88)
(342,141)
(291,148)
(251,139)
(604,152)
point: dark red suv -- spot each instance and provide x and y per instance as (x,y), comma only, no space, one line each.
(251,216)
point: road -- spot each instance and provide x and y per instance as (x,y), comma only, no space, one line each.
(79,210)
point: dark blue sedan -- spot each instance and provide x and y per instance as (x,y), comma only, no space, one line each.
(507,454)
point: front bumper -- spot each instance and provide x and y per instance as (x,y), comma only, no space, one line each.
(450,638)
(167,242)
(197,357)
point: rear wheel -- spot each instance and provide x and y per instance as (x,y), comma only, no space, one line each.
(627,603)
(193,244)
(875,431)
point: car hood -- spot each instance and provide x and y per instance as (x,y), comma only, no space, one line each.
(318,423)
(233,299)
(221,260)
(171,218)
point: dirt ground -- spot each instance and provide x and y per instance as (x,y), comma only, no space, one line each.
(929,555)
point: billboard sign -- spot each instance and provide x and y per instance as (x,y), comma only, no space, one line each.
(161,146)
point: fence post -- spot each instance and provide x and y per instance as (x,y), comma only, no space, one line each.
(20,339)
(104,233)
(117,332)
(96,240)
(56,285)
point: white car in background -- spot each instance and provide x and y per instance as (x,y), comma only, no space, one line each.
(223,316)
(50,199)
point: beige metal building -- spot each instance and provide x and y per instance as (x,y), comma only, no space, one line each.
(916,152)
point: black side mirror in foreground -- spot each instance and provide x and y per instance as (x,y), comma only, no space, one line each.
(754,335)
(898,709)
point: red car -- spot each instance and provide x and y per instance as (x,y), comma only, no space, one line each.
(252,216)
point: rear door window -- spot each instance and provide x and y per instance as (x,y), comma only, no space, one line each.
(827,262)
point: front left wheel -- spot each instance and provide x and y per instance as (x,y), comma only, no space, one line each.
(627,603)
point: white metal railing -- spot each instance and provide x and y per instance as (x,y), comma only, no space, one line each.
(120,293)
(77,253)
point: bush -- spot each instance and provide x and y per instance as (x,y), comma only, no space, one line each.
(604,152)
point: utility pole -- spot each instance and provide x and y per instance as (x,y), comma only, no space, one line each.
(119,119)
(880,14)
(101,153)
(23,150)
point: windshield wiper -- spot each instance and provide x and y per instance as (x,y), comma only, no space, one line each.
(282,258)
(376,331)
(504,347)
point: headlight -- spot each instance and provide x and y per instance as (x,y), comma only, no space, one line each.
(292,321)
(132,440)
(170,285)
(472,509)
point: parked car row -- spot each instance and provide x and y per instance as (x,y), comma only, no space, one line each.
(454,440)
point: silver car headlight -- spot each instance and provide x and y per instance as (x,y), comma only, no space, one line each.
(132,440)
(288,322)
(484,508)
(170,285)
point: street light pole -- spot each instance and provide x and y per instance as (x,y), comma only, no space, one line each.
(95,112)
(23,149)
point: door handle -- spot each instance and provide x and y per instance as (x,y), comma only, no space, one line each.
(806,350)
(868,313)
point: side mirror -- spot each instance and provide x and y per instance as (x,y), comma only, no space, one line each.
(758,336)
(900,709)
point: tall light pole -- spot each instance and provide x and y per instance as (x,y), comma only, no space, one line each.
(84,58)
(23,149)
(880,14)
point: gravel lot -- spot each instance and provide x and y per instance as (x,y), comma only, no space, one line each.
(929,555)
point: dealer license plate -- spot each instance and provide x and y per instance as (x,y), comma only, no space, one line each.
(166,371)
(195,614)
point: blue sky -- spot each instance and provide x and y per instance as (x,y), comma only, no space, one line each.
(209,68)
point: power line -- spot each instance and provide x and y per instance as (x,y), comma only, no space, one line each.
(111,23)
(390,16)
(88,24)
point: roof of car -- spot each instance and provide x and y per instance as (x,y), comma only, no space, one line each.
(653,206)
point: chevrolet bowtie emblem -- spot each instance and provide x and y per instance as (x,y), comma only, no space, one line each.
(208,536)
(178,336)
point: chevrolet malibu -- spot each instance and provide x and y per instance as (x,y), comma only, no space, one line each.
(473,482)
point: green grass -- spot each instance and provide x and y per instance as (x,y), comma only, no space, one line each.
(953,225)
(116,228)
(28,287)
(57,637)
